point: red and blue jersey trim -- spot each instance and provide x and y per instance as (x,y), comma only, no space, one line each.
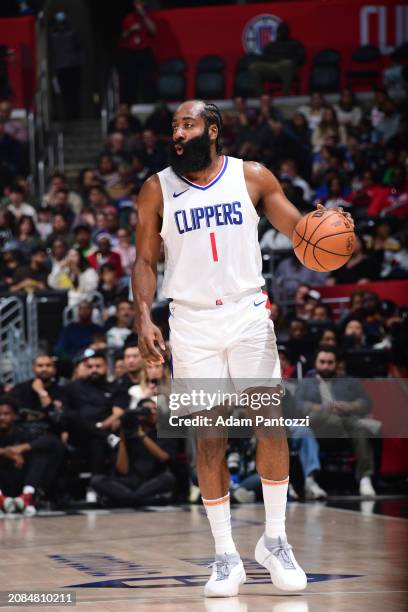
(211,183)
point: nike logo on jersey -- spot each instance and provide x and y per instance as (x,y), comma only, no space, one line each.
(176,195)
(259,303)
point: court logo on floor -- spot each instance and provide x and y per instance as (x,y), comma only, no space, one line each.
(119,573)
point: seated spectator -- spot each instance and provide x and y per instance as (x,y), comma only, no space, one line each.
(40,399)
(134,365)
(399,262)
(93,407)
(337,407)
(153,151)
(27,235)
(288,168)
(28,464)
(133,122)
(59,181)
(13,127)
(321,312)
(11,259)
(159,121)
(59,250)
(388,125)
(383,245)
(107,172)
(75,274)
(300,344)
(314,110)
(34,275)
(7,227)
(120,193)
(121,328)
(77,335)
(98,198)
(86,179)
(348,111)
(111,288)
(290,268)
(62,206)
(267,110)
(328,337)
(119,368)
(395,77)
(392,200)
(17,205)
(280,323)
(116,148)
(359,268)
(140,170)
(281,58)
(353,337)
(272,240)
(366,191)
(104,255)
(44,222)
(328,127)
(82,237)
(126,250)
(334,197)
(301,131)
(142,470)
(99,343)
(60,229)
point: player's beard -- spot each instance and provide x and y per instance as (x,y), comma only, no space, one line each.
(196,155)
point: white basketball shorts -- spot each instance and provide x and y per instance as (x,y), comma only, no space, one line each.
(234,340)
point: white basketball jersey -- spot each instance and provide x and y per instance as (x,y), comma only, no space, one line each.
(210,236)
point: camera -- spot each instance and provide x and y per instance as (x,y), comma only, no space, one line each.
(130,420)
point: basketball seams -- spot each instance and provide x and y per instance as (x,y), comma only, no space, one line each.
(322,238)
(316,228)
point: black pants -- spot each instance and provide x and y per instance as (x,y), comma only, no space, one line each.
(131,489)
(91,441)
(40,469)
(137,76)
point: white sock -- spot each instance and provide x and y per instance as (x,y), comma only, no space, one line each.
(275,495)
(218,513)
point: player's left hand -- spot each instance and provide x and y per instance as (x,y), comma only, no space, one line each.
(340,210)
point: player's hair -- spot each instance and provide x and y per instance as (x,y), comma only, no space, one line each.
(212,115)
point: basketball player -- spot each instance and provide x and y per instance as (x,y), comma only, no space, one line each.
(203,206)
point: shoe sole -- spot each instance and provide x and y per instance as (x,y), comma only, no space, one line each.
(242,580)
(261,556)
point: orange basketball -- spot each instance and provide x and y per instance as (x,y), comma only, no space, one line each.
(323,240)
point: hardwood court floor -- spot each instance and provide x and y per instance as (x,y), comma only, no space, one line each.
(154,561)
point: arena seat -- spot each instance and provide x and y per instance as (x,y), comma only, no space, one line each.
(171,83)
(243,85)
(210,81)
(325,71)
(365,68)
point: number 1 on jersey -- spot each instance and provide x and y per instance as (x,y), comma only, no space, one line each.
(213,246)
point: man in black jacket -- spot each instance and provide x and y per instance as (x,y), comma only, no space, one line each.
(280,59)
(28,464)
(40,399)
(93,408)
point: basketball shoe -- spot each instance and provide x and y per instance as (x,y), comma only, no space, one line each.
(227,575)
(275,554)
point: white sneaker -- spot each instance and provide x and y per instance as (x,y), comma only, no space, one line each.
(91,496)
(113,440)
(312,489)
(366,487)
(275,554)
(9,505)
(227,575)
(243,496)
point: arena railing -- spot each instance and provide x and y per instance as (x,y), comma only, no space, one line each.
(18,338)
(110,101)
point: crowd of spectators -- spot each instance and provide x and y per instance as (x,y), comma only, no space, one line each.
(80,239)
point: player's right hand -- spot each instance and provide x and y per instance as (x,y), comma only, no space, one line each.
(149,337)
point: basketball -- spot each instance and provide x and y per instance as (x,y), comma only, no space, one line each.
(323,240)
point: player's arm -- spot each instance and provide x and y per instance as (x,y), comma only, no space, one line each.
(264,187)
(144,270)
